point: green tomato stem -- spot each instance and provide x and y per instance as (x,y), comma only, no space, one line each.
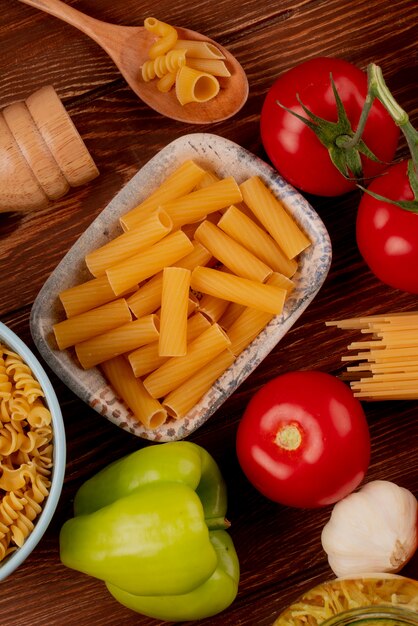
(217,523)
(377,88)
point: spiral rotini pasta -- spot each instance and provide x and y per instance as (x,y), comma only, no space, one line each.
(167,63)
(25,451)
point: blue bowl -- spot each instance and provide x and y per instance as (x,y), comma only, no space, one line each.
(16,558)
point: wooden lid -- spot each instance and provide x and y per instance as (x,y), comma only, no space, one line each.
(19,189)
(61,136)
(35,150)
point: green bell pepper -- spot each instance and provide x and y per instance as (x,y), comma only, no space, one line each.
(152,526)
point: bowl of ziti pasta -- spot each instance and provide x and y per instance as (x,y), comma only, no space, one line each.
(32,451)
(181,286)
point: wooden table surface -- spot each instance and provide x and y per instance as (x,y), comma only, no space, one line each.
(279,547)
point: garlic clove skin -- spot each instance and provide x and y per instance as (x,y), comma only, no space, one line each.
(373,530)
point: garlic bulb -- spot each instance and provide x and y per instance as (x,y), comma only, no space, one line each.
(372,530)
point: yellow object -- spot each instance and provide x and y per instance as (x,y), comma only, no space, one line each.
(274,217)
(197,204)
(385,367)
(180,401)
(145,409)
(147,298)
(237,289)
(26,451)
(177,370)
(91,323)
(167,36)
(152,229)
(173,316)
(145,264)
(216,67)
(250,322)
(147,358)
(168,63)
(117,341)
(243,229)
(178,183)
(199,49)
(195,86)
(89,295)
(232,254)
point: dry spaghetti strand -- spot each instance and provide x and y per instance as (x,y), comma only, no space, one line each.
(383,366)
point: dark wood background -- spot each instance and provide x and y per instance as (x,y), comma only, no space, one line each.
(279,547)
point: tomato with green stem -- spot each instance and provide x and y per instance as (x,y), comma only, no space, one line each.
(303,440)
(386,233)
(308,116)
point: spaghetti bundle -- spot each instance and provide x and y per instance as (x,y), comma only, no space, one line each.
(385,366)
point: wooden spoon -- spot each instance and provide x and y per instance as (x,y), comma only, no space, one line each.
(128,47)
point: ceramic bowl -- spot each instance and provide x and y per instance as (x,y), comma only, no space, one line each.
(225,158)
(11,562)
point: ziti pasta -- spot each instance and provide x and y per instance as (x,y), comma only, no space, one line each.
(190,302)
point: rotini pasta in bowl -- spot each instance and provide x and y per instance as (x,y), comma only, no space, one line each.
(180,287)
(32,451)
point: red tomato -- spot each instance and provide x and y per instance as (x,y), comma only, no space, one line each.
(387,236)
(295,150)
(303,440)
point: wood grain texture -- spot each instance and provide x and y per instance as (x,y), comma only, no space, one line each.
(279,547)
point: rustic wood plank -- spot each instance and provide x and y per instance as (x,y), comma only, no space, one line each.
(279,547)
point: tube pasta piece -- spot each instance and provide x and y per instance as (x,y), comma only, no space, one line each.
(231,253)
(250,323)
(147,359)
(174,305)
(237,289)
(152,229)
(197,204)
(86,325)
(216,67)
(271,213)
(178,369)
(131,390)
(213,307)
(243,229)
(148,297)
(190,229)
(232,312)
(117,341)
(208,179)
(195,86)
(141,266)
(85,296)
(199,49)
(177,184)
(167,36)
(180,401)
